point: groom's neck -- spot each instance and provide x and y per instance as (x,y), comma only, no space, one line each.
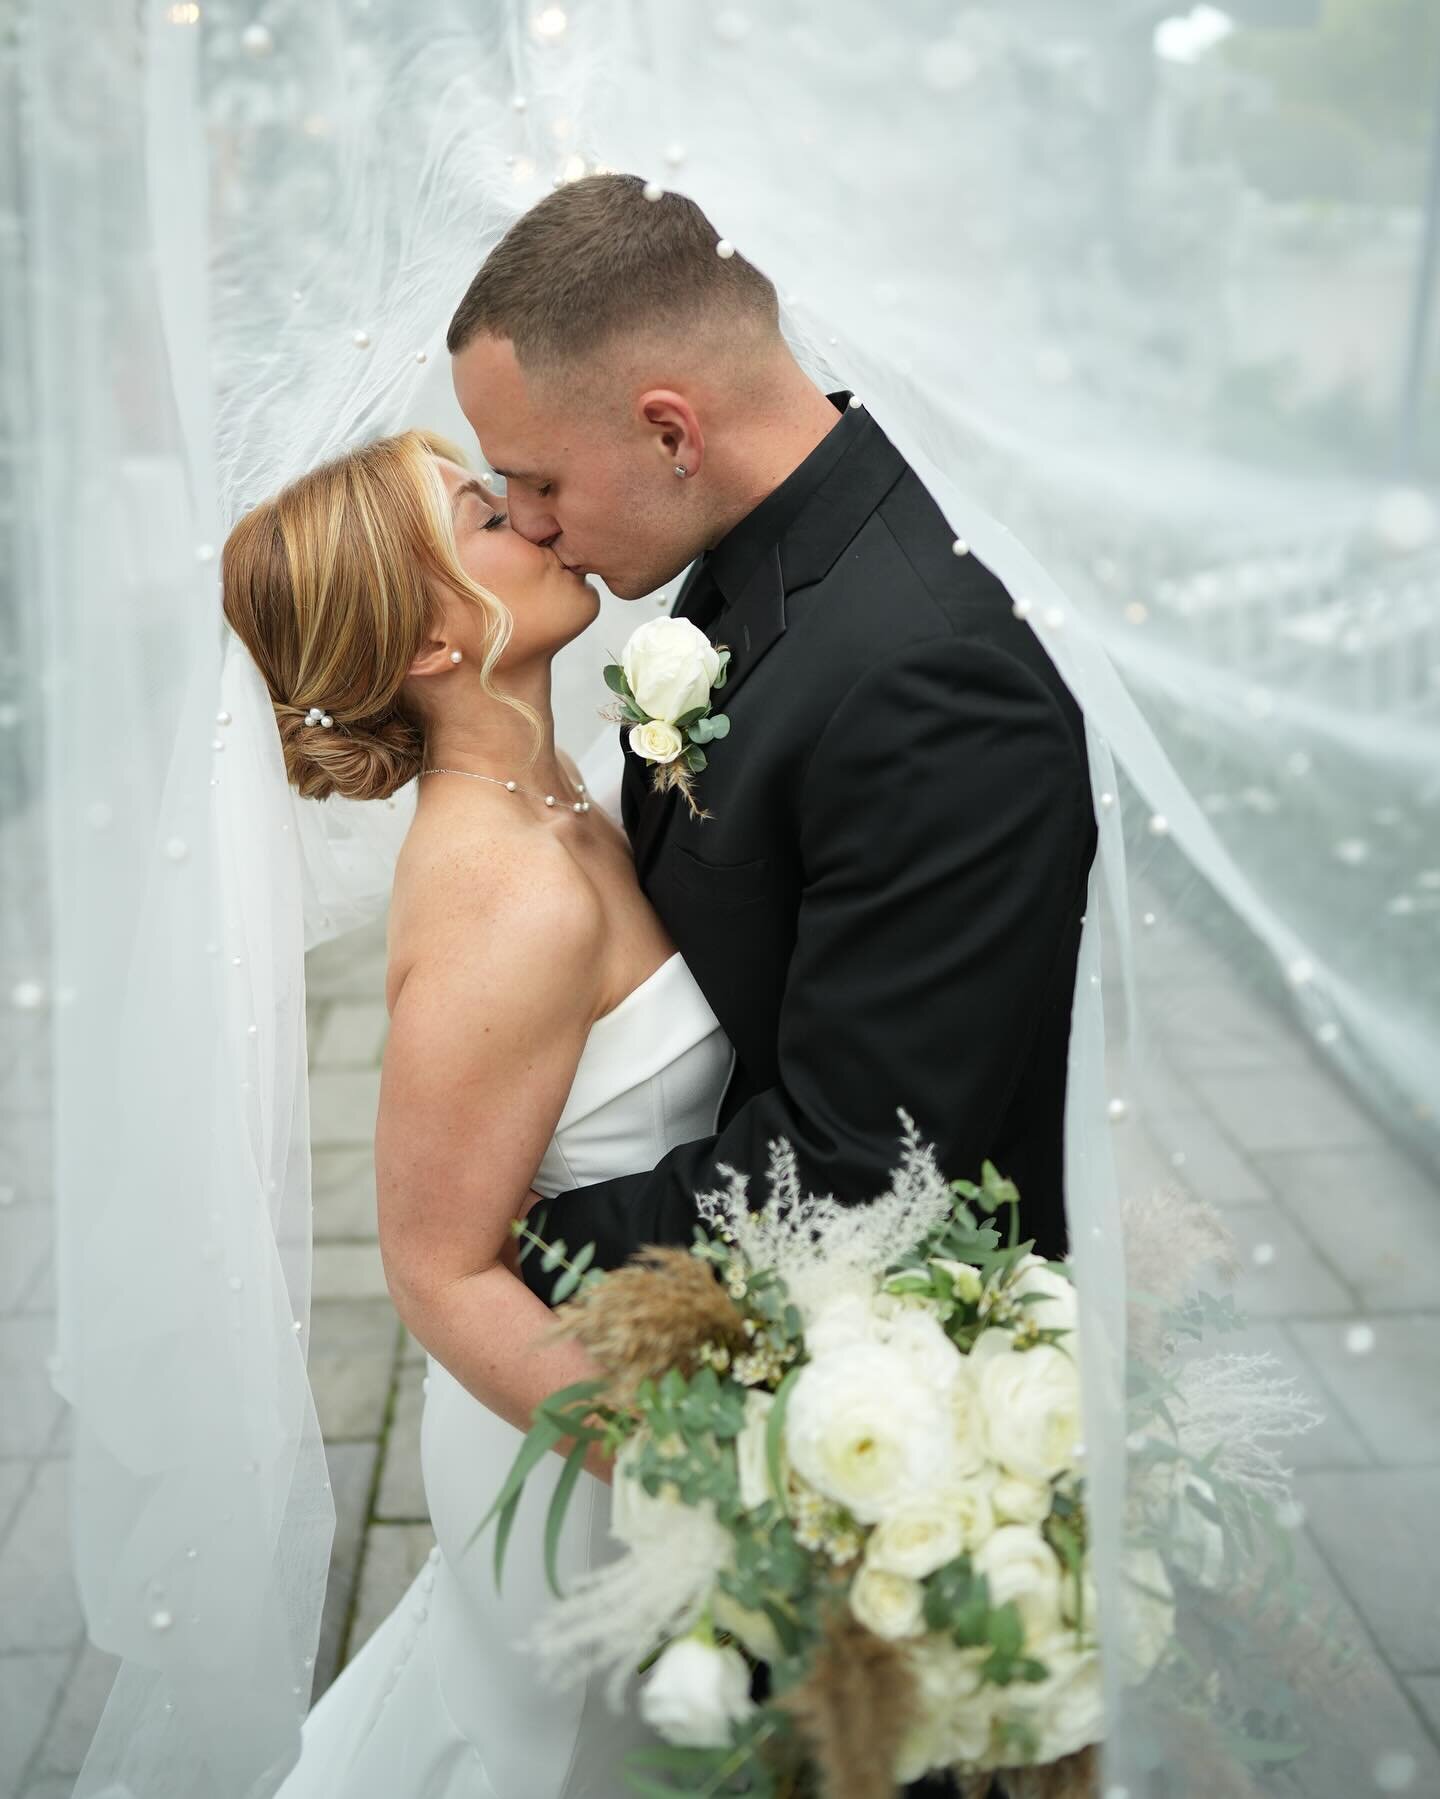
(764,443)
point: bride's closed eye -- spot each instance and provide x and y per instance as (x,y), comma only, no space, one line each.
(495,519)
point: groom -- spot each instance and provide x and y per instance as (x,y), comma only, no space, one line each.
(883,905)
(884,900)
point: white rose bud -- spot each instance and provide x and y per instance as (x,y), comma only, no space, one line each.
(1056,1308)
(1022,1568)
(918,1537)
(967,1281)
(1019,1501)
(1032,1410)
(866,1432)
(657,741)
(696,1694)
(671,666)
(891,1605)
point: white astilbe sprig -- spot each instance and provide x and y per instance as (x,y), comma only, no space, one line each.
(1242,1408)
(615,1615)
(819,1246)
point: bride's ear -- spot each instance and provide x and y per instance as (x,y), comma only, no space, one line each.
(434,657)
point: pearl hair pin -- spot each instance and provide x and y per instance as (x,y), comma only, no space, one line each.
(317,715)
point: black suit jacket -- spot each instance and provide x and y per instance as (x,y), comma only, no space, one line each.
(884,907)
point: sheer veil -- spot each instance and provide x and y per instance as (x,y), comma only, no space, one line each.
(1048,248)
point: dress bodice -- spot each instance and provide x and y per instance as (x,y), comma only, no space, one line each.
(651,1076)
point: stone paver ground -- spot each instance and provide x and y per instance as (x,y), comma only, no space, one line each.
(1295,1160)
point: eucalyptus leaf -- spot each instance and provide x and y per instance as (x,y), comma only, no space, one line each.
(719,726)
(555,1517)
(775,1432)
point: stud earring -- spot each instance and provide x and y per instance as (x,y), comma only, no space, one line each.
(455,656)
(681,471)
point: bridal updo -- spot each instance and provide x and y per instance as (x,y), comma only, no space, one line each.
(333,587)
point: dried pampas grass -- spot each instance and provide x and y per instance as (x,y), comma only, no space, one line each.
(654,1313)
(1169,1236)
(853,1708)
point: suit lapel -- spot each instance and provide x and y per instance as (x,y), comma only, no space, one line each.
(753,620)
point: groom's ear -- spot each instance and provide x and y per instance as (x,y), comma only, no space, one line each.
(675,431)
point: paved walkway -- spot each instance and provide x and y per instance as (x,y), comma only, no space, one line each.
(1296,1166)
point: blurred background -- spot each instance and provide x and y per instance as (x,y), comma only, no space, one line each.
(1155,288)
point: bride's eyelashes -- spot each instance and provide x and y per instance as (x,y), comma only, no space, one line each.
(495,519)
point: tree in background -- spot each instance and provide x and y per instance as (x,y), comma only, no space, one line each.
(1341,111)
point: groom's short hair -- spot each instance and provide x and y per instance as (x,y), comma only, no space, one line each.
(596,260)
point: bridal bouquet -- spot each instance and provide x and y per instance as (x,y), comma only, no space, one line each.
(847,1444)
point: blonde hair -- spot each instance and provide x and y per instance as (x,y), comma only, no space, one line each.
(333,586)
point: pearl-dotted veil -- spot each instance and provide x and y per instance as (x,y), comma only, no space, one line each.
(1073,261)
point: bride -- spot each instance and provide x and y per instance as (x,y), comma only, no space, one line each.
(544,1034)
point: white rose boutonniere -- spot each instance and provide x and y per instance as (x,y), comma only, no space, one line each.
(665,682)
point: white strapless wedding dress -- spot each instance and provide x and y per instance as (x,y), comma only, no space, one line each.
(442,1703)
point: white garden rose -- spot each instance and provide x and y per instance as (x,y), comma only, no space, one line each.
(1066,1710)
(955,1708)
(754,1469)
(1019,1501)
(1032,1410)
(967,1419)
(891,1605)
(841,1320)
(1025,1571)
(920,1337)
(696,1694)
(919,1536)
(671,666)
(1056,1308)
(657,741)
(1148,1607)
(638,1517)
(866,1432)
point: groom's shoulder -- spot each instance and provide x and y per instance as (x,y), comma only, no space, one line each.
(900,582)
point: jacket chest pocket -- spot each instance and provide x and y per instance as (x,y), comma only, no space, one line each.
(721,884)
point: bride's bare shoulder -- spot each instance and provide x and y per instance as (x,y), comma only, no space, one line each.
(488,887)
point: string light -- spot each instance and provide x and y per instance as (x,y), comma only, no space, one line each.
(551,23)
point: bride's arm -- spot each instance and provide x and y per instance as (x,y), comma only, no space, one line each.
(493,1006)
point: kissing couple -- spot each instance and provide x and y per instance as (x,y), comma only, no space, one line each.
(867,892)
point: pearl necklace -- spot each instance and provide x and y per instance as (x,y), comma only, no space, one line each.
(582,803)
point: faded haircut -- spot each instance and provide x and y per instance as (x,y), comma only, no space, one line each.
(595,261)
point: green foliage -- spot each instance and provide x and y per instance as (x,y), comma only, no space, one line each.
(1350,102)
